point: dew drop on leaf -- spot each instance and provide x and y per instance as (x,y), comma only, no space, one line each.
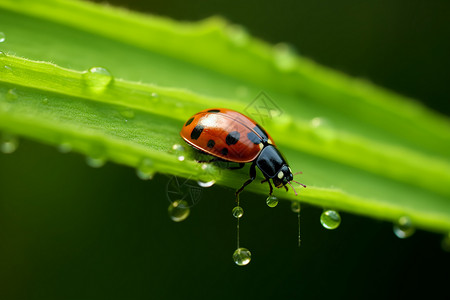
(330,219)
(242,256)
(155,97)
(146,169)
(179,151)
(179,210)
(95,162)
(237,34)
(127,114)
(64,147)
(272,201)
(284,56)
(97,79)
(2,37)
(207,175)
(238,212)
(403,228)
(206,184)
(8,143)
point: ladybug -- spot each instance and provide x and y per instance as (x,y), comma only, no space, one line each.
(230,136)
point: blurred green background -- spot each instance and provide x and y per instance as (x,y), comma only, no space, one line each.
(68,231)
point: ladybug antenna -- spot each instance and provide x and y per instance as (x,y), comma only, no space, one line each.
(298,173)
(295,192)
(299,183)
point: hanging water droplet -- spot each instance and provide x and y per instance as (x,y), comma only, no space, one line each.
(2,37)
(146,169)
(285,57)
(445,243)
(330,219)
(403,228)
(64,147)
(295,206)
(272,201)
(206,184)
(179,151)
(11,95)
(45,100)
(8,143)
(237,34)
(242,256)
(237,212)
(95,162)
(179,210)
(97,79)
(209,172)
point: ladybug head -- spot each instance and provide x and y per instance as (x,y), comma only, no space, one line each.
(284,177)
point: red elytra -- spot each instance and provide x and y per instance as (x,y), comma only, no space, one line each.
(231,136)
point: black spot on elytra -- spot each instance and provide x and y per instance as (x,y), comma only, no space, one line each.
(253,137)
(232,138)
(189,121)
(214,110)
(224,151)
(195,134)
(211,143)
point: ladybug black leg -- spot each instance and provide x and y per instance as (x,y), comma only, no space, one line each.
(270,185)
(252,177)
(286,188)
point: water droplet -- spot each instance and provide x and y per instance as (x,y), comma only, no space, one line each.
(97,79)
(272,201)
(242,256)
(237,212)
(206,184)
(179,210)
(154,97)
(237,34)
(445,243)
(11,95)
(2,37)
(295,206)
(128,114)
(403,228)
(64,147)
(45,100)
(146,169)
(179,151)
(8,143)
(330,219)
(209,172)
(95,162)
(285,57)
